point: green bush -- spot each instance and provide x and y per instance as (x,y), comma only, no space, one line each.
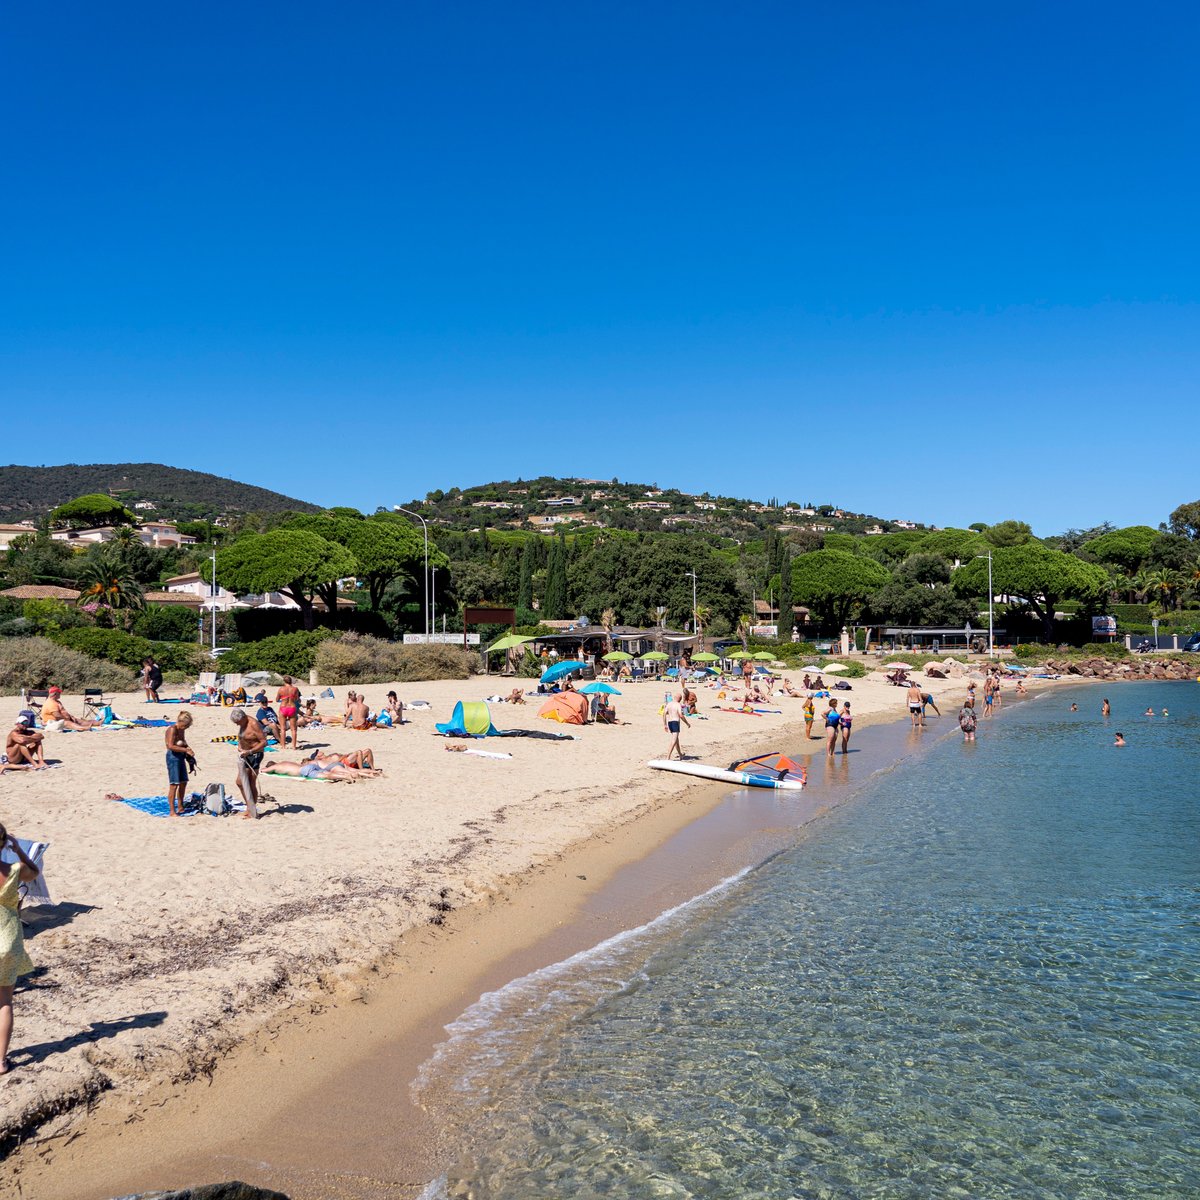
(49,616)
(36,662)
(1109,650)
(360,658)
(787,652)
(1137,614)
(166,623)
(128,649)
(854,670)
(284,653)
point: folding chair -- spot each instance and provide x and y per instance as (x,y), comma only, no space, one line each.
(93,701)
(34,696)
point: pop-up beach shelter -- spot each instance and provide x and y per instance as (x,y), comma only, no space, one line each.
(568,707)
(471,719)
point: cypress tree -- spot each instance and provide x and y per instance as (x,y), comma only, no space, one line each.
(525,587)
(786,616)
(554,604)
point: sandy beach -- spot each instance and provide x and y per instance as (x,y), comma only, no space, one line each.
(174,941)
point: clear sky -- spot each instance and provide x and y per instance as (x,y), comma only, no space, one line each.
(933,260)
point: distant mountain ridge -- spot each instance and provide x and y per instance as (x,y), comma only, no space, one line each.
(175,493)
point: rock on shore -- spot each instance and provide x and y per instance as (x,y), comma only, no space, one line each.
(1126,669)
(233,1190)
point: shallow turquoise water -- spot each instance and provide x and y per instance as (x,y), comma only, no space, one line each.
(979,979)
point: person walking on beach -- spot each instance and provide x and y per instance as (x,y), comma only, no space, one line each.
(987,696)
(673,714)
(966,720)
(916,706)
(179,759)
(288,699)
(151,680)
(996,698)
(928,702)
(810,713)
(252,741)
(14,961)
(846,721)
(833,722)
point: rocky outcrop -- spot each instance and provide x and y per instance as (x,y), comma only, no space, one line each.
(1126,668)
(234,1190)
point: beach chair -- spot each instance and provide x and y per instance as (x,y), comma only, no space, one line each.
(233,690)
(94,702)
(206,680)
(34,697)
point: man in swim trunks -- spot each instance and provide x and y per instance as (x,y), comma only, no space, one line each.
(23,747)
(252,741)
(916,706)
(358,715)
(673,716)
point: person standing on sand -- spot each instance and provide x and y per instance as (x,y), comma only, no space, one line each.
(673,714)
(916,706)
(810,713)
(845,721)
(14,961)
(833,723)
(252,741)
(151,680)
(179,758)
(288,699)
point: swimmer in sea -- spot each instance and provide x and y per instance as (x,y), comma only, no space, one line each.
(1119,740)
(1164,712)
(1074,707)
(1150,712)
(1105,709)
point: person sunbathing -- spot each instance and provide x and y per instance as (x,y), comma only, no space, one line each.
(358,715)
(309,714)
(24,747)
(394,708)
(789,690)
(314,770)
(56,718)
(358,760)
(516,696)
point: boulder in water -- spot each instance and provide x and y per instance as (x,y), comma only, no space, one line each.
(233,1190)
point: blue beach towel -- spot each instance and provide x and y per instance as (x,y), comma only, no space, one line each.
(158,806)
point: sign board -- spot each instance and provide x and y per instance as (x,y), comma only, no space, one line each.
(764,631)
(440,639)
(490,616)
(1104,627)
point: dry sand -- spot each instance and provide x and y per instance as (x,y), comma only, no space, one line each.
(174,940)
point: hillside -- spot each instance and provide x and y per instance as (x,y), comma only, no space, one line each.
(176,494)
(550,503)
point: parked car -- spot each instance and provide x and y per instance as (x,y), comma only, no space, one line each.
(1193,644)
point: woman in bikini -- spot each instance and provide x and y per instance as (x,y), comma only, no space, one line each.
(288,699)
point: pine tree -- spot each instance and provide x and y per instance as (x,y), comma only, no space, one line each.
(525,588)
(786,616)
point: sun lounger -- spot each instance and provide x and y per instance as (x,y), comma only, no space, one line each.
(206,680)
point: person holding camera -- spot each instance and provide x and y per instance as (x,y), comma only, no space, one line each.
(14,961)
(179,759)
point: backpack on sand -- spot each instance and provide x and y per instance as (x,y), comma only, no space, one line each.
(214,799)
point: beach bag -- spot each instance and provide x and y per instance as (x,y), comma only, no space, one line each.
(384,720)
(214,799)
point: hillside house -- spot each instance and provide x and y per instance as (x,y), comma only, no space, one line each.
(10,533)
(650,505)
(191,585)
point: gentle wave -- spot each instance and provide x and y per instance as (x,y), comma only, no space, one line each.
(498,1029)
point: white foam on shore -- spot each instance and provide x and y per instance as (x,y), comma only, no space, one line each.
(506,1025)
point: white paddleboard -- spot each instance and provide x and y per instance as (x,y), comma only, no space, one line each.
(741,778)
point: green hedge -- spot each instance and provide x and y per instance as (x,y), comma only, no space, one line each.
(37,662)
(1109,650)
(285,653)
(127,649)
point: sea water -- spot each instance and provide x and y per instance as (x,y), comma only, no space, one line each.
(980,978)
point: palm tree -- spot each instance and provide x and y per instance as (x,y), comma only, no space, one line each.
(1163,585)
(744,625)
(105,583)
(702,615)
(608,618)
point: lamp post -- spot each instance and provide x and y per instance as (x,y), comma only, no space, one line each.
(425,527)
(212,599)
(433,600)
(695,618)
(991,628)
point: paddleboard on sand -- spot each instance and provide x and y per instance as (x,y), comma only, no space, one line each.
(785,782)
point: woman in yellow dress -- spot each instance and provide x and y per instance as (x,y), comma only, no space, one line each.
(14,962)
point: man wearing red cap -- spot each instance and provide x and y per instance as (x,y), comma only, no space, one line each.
(55,717)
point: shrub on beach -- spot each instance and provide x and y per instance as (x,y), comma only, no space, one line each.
(1109,650)
(854,670)
(285,653)
(127,649)
(360,658)
(35,662)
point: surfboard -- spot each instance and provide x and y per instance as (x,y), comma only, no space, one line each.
(740,778)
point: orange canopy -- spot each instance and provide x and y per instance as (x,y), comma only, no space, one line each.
(568,707)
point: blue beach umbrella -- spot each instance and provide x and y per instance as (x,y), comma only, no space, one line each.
(598,688)
(550,674)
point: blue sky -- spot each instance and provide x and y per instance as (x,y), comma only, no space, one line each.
(936,261)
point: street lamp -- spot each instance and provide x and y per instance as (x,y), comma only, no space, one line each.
(991,629)
(425,527)
(695,618)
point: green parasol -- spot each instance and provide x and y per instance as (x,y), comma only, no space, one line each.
(764,656)
(617,656)
(507,642)
(705,656)
(655,656)
(740,654)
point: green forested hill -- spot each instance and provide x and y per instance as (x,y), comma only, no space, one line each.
(175,493)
